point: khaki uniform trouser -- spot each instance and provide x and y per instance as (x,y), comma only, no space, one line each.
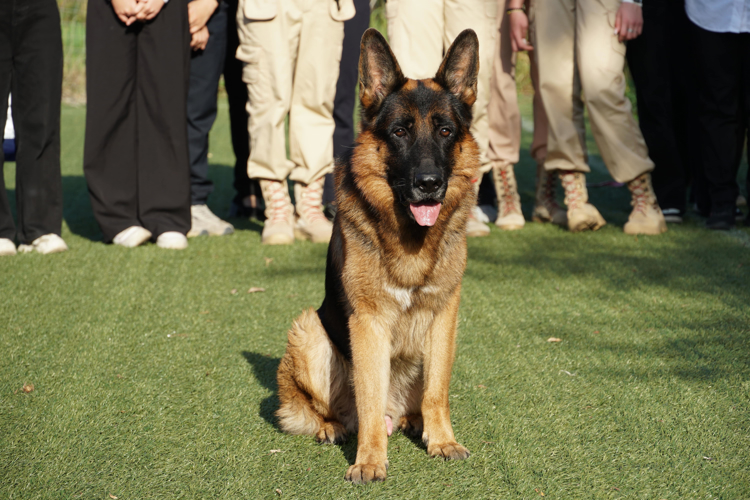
(579,35)
(291,65)
(504,115)
(420,31)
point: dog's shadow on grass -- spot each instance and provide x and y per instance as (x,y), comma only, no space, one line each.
(264,368)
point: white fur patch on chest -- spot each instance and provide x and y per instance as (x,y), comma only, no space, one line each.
(404,296)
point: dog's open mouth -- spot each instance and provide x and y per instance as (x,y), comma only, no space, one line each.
(425,213)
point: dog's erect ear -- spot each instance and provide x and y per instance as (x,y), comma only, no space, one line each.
(379,72)
(458,72)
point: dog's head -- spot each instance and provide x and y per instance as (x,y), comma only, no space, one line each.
(423,125)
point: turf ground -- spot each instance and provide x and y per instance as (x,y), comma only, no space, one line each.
(153,371)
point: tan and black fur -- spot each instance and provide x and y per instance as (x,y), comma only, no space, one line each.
(383,342)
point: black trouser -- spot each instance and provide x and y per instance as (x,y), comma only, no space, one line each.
(31,62)
(206,67)
(136,154)
(658,64)
(237,97)
(723,62)
(346,87)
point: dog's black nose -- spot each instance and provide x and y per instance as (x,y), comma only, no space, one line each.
(428,183)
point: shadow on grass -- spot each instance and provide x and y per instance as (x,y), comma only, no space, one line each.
(264,369)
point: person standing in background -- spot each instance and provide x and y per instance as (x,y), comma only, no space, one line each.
(663,75)
(419,31)
(346,93)
(211,24)
(583,41)
(31,62)
(136,155)
(291,50)
(720,34)
(505,132)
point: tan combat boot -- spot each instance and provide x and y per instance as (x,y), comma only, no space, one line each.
(311,223)
(546,208)
(646,217)
(509,216)
(474,226)
(582,215)
(279,226)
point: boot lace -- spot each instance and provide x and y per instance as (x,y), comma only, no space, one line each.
(279,207)
(312,199)
(507,201)
(574,196)
(641,192)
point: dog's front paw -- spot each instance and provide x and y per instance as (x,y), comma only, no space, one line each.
(448,451)
(364,473)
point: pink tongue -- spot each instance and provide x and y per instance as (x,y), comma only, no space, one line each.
(426,214)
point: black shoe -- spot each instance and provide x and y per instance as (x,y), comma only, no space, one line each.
(723,220)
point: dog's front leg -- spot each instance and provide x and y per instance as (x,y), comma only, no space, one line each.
(370,341)
(440,348)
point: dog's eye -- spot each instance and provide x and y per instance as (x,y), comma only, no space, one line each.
(399,132)
(445,131)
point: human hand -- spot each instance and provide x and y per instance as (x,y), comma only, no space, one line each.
(200,39)
(199,12)
(629,21)
(148,9)
(519,30)
(125,10)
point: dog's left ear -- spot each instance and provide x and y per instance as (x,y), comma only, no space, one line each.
(458,72)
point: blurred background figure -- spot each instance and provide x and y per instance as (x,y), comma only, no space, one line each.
(419,31)
(720,34)
(213,28)
(291,50)
(31,62)
(664,77)
(583,40)
(346,93)
(136,153)
(505,129)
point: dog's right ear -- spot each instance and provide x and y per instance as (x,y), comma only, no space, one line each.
(379,72)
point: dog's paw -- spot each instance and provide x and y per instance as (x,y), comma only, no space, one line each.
(331,433)
(365,473)
(411,425)
(448,451)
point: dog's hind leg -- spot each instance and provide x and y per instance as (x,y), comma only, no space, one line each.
(312,380)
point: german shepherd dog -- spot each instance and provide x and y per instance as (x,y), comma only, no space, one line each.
(380,348)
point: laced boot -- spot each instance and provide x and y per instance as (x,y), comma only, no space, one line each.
(546,208)
(646,217)
(279,226)
(475,226)
(312,223)
(582,215)
(509,216)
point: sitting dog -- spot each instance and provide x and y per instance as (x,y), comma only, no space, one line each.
(380,348)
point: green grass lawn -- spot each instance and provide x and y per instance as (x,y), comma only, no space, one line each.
(154,370)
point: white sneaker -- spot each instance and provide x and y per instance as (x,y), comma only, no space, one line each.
(203,222)
(474,226)
(172,240)
(49,243)
(132,237)
(7,247)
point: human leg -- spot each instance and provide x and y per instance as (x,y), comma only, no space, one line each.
(161,97)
